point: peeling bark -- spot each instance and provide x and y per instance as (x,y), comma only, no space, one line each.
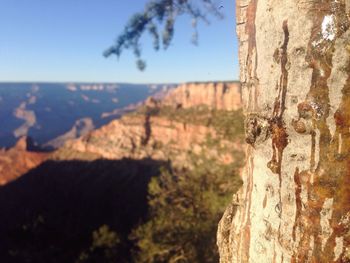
(294,205)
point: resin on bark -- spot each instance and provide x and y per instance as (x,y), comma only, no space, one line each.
(294,205)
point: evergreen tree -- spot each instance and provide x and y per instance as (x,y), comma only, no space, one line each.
(185,207)
(106,247)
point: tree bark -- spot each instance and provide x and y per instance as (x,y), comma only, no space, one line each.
(294,205)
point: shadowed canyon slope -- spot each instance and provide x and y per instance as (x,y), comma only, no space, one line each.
(19,159)
(50,213)
(294,205)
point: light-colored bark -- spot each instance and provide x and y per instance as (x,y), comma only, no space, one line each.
(294,205)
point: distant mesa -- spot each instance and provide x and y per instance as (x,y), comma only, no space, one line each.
(35,88)
(85,98)
(28,116)
(32,100)
(71,87)
(120,112)
(92,87)
(46,111)
(80,128)
(98,87)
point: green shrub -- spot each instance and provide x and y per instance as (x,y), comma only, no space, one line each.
(186,205)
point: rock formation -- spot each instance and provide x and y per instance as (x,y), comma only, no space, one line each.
(129,137)
(80,128)
(28,116)
(18,160)
(162,129)
(215,95)
(103,179)
(294,205)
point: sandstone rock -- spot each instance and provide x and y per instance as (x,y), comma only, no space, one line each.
(18,160)
(215,95)
(139,137)
(81,127)
(28,116)
(147,135)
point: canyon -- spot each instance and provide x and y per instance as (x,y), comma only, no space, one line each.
(102,178)
(163,128)
(19,159)
(51,113)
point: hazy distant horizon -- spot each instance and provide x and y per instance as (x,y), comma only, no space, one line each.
(114,82)
(51,113)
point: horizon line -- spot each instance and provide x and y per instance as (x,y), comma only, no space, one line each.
(116,82)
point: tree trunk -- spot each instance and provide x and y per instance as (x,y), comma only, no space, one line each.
(294,205)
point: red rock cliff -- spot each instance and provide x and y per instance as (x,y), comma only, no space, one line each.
(165,129)
(215,95)
(18,160)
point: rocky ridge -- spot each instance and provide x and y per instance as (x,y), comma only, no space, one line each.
(215,95)
(185,120)
(19,159)
(102,180)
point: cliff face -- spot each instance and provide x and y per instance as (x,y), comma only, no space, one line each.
(294,205)
(215,95)
(80,128)
(18,160)
(138,137)
(88,183)
(162,130)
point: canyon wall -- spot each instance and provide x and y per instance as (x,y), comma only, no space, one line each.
(294,205)
(215,95)
(165,129)
(138,137)
(18,160)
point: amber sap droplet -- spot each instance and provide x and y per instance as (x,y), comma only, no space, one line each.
(273,166)
(299,126)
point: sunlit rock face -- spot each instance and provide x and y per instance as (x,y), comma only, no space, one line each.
(161,129)
(19,159)
(163,136)
(294,205)
(215,95)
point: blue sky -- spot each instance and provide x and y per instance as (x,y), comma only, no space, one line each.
(63,40)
